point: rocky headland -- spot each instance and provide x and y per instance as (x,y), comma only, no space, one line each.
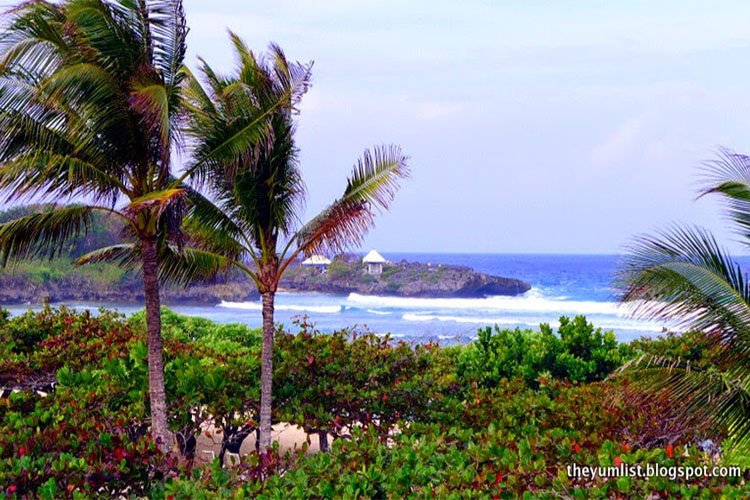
(36,284)
(347,274)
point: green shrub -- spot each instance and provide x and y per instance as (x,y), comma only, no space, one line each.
(696,348)
(195,329)
(578,353)
(499,417)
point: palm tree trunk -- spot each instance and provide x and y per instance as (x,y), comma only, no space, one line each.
(266,372)
(157,394)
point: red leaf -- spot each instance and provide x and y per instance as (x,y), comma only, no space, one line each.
(21,451)
(576,448)
(670,451)
(310,360)
(618,461)
(498,478)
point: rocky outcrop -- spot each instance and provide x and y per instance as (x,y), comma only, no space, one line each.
(405,279)
(345,275)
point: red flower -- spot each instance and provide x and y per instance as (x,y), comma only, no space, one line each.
(21,451)
(498,478)
(576,448)
(626,447)
(119,454)
(12,488)
(310,360)
(618,461)
(670,451)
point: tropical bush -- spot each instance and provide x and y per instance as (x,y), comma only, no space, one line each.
(405,420)
(459,464)
(329,384)
(578,353)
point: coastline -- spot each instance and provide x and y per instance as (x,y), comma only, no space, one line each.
(443,320)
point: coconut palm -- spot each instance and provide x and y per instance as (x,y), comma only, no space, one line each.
(257,191)
(90,112)
(683,275)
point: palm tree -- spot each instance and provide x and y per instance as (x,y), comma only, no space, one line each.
(257,190)
(683,276)
(90,112)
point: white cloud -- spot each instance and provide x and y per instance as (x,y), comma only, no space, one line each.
(618,144)
(433,110)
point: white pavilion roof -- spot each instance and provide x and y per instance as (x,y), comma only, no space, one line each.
(374,258)
(316,260)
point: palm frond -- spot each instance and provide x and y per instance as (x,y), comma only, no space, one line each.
(32,44)
(169,31)
(702,395)
(683,276)
(151,101)
(729,176)
(208,227)
(44,233)
(186,265)
(125,255)
(231,119)
(344,223)
(155,200)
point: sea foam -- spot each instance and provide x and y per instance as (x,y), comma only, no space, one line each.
(257,306)
(532,301)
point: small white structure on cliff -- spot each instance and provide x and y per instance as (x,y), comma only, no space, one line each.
(373,262)
(319,261)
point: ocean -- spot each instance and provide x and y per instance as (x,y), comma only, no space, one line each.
(561,285)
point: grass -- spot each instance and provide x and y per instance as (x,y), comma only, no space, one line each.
(43,271)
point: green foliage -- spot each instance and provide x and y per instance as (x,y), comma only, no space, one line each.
(94,423)
(502,457)
(406,420)
(330,383)
(195,329)
(694,347)
(578,353)
(340,269)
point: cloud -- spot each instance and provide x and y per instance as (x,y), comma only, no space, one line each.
(432,110)
(616,146)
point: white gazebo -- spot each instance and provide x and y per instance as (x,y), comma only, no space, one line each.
(319,261)
(373,262)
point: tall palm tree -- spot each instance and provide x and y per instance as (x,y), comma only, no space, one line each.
(257,191)
(683,276)
(90,112)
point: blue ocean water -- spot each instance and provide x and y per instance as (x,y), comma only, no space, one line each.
(561,285)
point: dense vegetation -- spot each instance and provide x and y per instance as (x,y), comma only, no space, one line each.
(479,420)
(684,276)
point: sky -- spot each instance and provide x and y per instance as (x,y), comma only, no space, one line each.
(531,127)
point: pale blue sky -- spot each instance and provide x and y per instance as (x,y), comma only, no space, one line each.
(532,126)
